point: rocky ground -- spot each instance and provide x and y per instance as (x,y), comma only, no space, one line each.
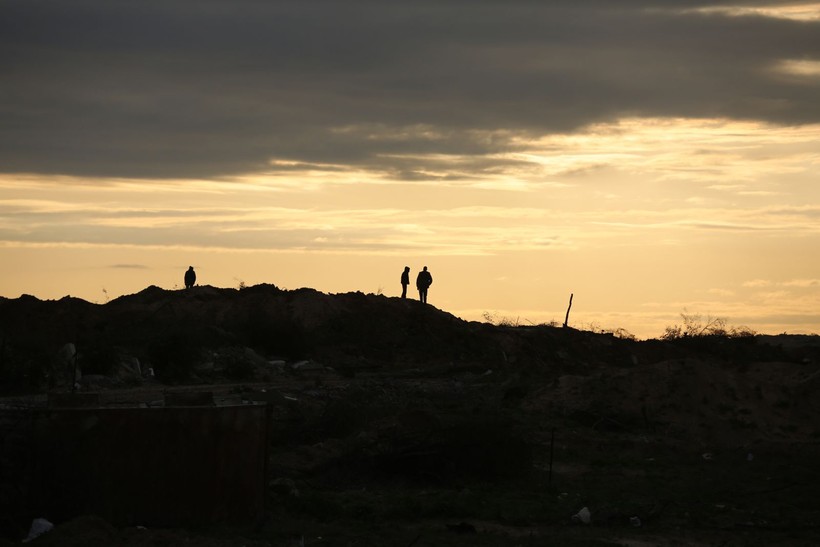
(395,423)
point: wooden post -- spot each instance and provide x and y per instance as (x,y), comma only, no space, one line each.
(566,319)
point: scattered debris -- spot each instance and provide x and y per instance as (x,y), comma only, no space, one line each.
(129,368)
(584,516)
(394,415)
(39,526)
(306,366)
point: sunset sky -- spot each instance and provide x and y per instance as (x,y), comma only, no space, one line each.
(651,157)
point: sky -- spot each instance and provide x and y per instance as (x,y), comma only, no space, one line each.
(649,157)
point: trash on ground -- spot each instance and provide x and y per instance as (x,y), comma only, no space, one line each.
(39,526)
(583,516)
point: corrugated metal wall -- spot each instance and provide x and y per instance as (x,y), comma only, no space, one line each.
(152,466)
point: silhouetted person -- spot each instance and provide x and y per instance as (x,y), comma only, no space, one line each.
(405,280)
(423,282)
(190,277)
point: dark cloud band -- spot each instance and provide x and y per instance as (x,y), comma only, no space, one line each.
(205,89)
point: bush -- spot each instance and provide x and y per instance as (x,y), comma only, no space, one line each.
(501,321)
(695,325)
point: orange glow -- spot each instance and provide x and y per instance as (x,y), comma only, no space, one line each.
(640,219)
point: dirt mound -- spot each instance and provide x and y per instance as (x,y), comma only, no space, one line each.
(396,423)
(713,403)
(174,333)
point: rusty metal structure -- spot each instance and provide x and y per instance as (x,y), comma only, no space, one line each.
(153,466)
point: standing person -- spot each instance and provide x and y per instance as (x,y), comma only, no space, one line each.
(405,280)
(190,277)
(423,282)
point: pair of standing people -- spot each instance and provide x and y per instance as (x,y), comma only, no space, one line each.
(423,282)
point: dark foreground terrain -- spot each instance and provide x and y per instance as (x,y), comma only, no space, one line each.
(394,423)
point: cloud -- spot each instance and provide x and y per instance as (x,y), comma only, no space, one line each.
(461,231)
(129,267)
(802,283)
(721,292)
(279,215)
(800,68)
(180,89)
(803,11)
(795,283)
(757,283)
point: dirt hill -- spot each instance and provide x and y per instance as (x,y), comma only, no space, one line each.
(398,423)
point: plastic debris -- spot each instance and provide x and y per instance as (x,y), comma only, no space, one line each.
(39,527)
(583,516)
(635,521)
(707,456)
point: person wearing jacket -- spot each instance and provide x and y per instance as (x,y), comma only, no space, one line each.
(190,277)
(423,282)
(405,280)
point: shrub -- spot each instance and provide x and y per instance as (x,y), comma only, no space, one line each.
(501,321)
(695,325)
(623,334)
